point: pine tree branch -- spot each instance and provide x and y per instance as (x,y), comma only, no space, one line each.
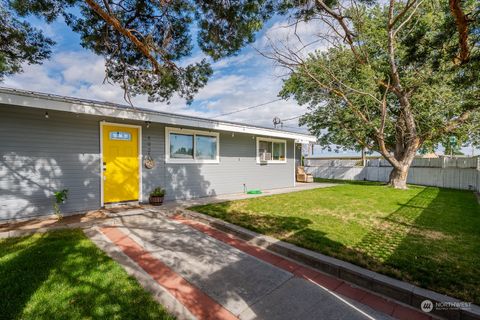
(112,21)
(461,21)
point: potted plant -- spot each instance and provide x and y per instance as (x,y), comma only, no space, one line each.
(156,196)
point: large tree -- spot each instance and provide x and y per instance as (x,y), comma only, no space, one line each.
(19,43)
(143,41)
(393,76)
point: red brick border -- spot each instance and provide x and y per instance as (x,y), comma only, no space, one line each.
(374,301)
(195,300)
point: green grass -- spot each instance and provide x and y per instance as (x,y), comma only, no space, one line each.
(424,235)
(63,275)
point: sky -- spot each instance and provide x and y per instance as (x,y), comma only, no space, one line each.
(241,81)
(244,80)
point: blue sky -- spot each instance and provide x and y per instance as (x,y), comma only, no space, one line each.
(244,80)
(240,81)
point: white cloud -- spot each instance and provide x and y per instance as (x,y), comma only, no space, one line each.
(81,75)
(240,81)
(235,60)
(303,36)
(226,85)
(81,67)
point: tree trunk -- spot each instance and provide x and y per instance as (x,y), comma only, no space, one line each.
(398,177)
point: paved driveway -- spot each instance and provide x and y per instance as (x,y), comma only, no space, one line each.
(246,286)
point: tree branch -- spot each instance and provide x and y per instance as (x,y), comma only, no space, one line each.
(408,18)
(349,35)
(399,16)
(112,21)
(461,21)
(453,124)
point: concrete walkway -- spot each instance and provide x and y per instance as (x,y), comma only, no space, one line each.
(239,196)
(200,270)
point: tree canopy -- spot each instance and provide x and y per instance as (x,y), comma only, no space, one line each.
(395,77)
(143,42)
(20,43)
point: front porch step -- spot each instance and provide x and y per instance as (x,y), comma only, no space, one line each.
(121,205)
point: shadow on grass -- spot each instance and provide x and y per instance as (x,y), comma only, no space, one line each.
(354,182)
(63,275)
(432,241)
(23,273)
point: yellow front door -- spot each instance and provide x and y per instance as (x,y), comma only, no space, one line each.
(120,163)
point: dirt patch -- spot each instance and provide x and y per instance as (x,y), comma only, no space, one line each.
(53,221)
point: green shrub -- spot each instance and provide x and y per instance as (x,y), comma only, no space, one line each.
(60,197)
(157,192)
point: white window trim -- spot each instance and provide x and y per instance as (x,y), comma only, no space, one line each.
(169,130)
(271,140)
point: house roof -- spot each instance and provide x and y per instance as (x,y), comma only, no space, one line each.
(47,101)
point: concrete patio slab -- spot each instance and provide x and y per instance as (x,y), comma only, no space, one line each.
(246,286)
(310,303)
(229,276)
(160,294)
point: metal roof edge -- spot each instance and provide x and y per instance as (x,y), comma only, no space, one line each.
(93,107)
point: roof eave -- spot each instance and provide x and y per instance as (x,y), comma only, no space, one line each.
(32,101)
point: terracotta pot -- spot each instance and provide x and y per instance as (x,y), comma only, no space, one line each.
(155,200)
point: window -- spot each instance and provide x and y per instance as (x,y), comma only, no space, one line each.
(191,146)
(181,146)
(206,147)
(118,135)
(265,150)
(271,150)
(278,151)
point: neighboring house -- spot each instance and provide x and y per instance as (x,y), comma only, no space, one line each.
(100,151)
(430,155)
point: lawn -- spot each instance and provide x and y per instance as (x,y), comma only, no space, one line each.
(424,235)
(63,275)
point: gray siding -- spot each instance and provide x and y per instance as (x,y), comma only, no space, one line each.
(39,156)
(237,167)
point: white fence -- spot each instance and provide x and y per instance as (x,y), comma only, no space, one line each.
(456,173)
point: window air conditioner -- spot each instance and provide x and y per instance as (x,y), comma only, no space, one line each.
(266,156)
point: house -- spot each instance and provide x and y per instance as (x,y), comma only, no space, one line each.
(107,153)
(430,155)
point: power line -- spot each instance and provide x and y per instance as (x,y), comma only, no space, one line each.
(247,108)
(292,118)
(300,129)
(292,127)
